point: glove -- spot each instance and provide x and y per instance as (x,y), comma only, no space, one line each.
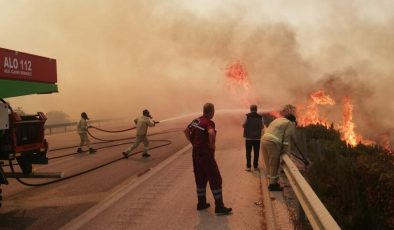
(156,122)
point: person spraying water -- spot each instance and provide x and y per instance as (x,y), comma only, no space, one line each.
(142,123)
(82,128)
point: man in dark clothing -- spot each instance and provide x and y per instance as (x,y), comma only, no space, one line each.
(253,126)
(202,134)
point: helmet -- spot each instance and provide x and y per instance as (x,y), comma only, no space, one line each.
(287,110)
(146,113)
(84,116)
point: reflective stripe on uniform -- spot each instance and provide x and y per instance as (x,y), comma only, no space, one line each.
(272,177)
(217,193)
(197,126)
(217,190)
(201,191)
(273,136)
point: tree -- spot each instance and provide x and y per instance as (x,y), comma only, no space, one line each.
(55,117)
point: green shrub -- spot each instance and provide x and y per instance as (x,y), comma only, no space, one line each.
(355,184)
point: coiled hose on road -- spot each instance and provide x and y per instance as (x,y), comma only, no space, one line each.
(167,142)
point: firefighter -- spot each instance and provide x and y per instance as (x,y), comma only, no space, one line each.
(202,134)
(82,128)
(276,140)
(142,124)
(253,126)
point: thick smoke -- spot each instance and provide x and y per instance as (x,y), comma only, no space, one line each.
(116,58)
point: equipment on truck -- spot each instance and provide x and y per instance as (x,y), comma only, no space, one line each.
(22,136)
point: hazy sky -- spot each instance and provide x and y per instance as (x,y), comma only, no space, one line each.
(117,57)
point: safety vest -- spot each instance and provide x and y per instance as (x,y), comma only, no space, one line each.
(253,126)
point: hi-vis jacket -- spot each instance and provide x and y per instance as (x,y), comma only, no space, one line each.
(143,123)
(82,126)
(278,129)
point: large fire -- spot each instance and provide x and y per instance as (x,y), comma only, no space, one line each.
(310,114)
(347,129)
(237,78)
(348,126)
(236,74)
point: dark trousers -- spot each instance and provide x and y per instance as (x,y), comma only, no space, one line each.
(255,144)
(206,170)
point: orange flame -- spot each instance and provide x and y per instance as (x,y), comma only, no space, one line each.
(275,114)
(236,75)
(347,129)
(320,98)
(310,114)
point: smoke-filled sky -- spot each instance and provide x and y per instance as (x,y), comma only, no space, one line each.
(117,57)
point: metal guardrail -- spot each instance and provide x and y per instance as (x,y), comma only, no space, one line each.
(316,212)
(50,127)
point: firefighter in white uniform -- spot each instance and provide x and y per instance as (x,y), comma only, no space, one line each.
(277,139)
(142,124)
(82,129)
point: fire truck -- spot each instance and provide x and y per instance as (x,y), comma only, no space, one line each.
(22,136)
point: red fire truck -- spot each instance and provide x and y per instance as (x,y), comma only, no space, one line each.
(22,136)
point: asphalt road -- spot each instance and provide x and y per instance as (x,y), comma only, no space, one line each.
(54,205)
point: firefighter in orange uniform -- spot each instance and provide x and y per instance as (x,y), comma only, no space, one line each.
(202,134)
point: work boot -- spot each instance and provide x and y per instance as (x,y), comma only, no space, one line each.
(202,203)
(125,154)
(220,209)
(275,187)
(203,206)
(79,150)
(91,150)
(145,155)
(223,210)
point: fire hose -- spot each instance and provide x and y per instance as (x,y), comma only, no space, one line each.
(115,131)
(85,171)
(168,142)
(303,158)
